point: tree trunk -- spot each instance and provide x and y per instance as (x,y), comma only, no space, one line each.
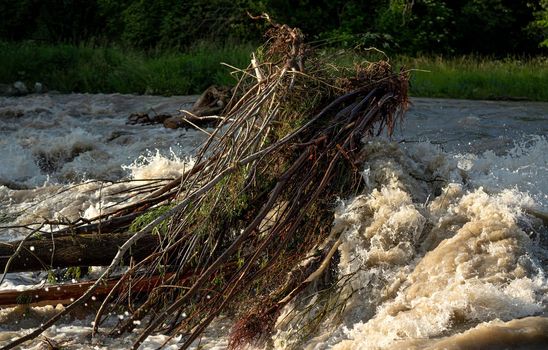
(66,293)
(66,251)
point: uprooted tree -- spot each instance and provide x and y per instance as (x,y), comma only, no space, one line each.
(247,228)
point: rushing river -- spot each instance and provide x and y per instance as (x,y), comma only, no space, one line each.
(447,247)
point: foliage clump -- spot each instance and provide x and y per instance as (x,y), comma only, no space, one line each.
(149,216)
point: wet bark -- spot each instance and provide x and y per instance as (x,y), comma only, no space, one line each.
(66,293)
(72,250)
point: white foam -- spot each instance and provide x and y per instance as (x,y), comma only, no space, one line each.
(525,168)
(421,269)
(157,166)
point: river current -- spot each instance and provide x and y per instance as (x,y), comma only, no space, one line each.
(446,248)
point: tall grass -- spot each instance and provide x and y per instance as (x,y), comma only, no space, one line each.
(479,77)
(69,68)
(84,68)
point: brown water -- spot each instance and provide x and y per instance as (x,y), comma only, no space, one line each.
(445,249)
(441,251)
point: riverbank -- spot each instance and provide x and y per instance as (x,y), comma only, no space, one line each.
(479,78)
(68,68)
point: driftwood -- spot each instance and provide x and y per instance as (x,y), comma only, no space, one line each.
(67,293)
(188,120)
(204,112)
(71,250)
(212,101)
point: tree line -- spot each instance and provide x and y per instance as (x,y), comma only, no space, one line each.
(490,27)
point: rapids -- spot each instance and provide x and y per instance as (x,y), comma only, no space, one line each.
(446,248)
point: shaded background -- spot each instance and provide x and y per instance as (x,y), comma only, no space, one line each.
(450,27)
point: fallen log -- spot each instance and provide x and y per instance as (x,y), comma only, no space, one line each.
(67,293)
(189,120)
(67,251)
(203,113)
(212,101)
(107,226)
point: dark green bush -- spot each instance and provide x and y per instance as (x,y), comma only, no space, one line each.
(494,27)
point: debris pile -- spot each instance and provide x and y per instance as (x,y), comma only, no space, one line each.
(248,227)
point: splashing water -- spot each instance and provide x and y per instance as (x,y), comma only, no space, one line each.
(64,155)
(447,246)
(432,250)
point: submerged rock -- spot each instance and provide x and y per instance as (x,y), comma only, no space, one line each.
(7,90)
(144,118)
(20,88)
(174,122)
(16,89)
(138,118)
(39,88)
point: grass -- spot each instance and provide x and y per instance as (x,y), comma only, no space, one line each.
(84,68)
(69,68)
(479,78)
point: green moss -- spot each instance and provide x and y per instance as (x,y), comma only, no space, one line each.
(51,279)
(149,216)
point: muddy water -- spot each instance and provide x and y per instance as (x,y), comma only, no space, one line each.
(446,248)
(441,251)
